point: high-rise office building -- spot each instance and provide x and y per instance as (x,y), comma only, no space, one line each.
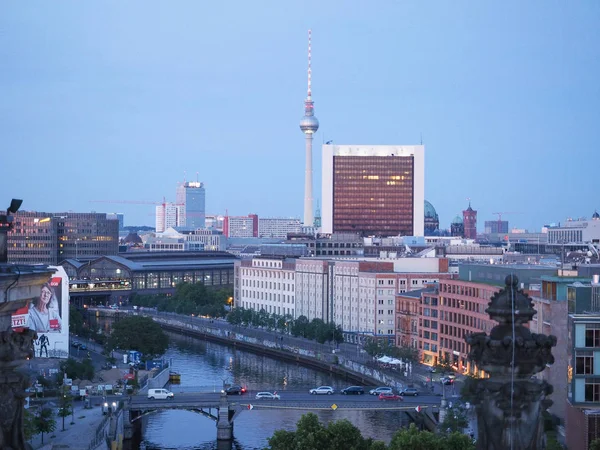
(191,197)
(375,190)
(50,238)
(496,226)
(470,222)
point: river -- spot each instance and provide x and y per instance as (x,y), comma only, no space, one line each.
(206,366)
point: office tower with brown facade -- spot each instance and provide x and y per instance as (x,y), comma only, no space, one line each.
(374,190)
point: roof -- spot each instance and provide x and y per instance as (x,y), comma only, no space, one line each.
(417,292)
(457,220)
(430,210)
(150,261)
(73,262)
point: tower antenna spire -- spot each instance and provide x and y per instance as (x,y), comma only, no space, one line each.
(309,91)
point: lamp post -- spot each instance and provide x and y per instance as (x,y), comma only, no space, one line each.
(6,224)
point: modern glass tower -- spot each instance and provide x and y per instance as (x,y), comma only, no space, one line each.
(191,197)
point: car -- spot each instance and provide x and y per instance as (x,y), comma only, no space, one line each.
(160,394)
(267,396)
(236,389)
(432,370)
(353,390)
(83,347)
(380,389)
(446,380)
(390,396)
(75,344)
(327,390)
(409,391)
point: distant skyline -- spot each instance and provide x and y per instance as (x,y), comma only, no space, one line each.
(117,100)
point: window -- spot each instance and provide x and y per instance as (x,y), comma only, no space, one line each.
(584,363)
(592,338)
(592,390)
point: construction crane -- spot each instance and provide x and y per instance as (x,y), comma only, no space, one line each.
(136,202)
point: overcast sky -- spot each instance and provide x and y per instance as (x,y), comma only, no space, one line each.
(117,100)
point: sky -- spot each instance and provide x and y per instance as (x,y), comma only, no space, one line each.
(121,101)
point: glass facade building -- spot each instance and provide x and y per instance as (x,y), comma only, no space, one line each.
(373,190)
(192,196)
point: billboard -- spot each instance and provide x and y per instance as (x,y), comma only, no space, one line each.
(48,316)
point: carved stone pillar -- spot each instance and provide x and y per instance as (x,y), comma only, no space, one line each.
(15,349)
(509,404)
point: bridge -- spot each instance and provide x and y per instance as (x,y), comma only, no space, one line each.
(223,409)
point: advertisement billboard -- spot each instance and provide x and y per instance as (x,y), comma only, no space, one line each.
(48,316)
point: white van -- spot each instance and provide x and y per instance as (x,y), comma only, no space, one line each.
(160,394)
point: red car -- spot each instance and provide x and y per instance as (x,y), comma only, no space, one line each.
(390,396)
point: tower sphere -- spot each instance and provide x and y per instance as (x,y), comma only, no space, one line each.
(309,124)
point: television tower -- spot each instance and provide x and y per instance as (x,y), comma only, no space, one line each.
(309,126)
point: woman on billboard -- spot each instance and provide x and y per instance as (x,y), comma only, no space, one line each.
(44,315)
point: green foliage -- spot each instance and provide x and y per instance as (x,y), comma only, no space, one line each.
(75,320)
(188,299)
(65,407)
(311,434)
(378,347)
(44,422)
(29,425)
(414,439)
(141,334)
(553,444)
(443,366)
(455,421)
(595,444)
(74,369)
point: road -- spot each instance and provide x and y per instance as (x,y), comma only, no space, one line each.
(289,399)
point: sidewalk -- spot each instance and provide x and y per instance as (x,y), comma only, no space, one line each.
(75,437)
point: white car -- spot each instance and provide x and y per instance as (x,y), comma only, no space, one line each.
(268,396)
(328,390)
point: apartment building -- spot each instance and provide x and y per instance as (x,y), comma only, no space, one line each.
(267,283)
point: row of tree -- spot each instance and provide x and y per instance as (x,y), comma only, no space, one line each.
(44,421)
(311,434)
(316,329)
(380,347)
(189,298)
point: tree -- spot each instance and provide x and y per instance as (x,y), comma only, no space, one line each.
(310,434)
(44,422)
(443,366)
(141,334)
(455,421)
(29,425)
(414,439)
(595,444)
(66,406)
(300,326)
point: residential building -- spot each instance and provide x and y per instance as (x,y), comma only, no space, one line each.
(168,215)
(582,422)
(241,226)
(357,294)
(191,195)
(334,245)
(470,222)
(266,283)
(49,238)
(275,227)
(374,190)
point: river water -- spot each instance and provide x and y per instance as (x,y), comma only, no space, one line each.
(206,366)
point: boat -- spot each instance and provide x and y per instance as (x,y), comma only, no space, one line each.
(174,377)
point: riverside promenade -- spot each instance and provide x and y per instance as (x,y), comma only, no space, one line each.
(345,357)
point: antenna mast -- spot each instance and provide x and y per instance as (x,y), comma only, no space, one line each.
(309,91)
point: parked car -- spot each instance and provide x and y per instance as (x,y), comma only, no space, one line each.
(409,391)
(236,389)
(75,344)
(267,396)
(83,347)
(446,380)
(328,390)
(380,390)
(353,390)
(390,396)
(160,394)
